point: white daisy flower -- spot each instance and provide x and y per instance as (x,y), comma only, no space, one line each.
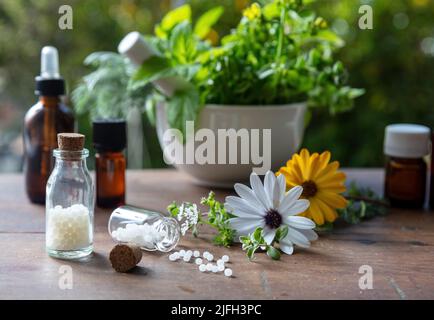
(267,206)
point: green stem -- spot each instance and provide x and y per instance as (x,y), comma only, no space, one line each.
(368,200)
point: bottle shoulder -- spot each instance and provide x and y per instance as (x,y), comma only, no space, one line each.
(37,111)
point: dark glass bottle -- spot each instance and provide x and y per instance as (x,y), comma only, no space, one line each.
(109,137)
(405,146)
(42,123)
(406,182)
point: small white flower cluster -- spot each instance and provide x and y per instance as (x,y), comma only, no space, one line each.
(189,214)
(205,262)
(141,235)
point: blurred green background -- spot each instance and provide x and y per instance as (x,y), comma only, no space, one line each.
(394,62)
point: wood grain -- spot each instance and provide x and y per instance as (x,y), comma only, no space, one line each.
(399,248)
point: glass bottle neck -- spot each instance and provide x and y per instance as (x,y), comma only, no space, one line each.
(50,101)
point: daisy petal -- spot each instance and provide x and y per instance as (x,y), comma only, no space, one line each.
(241,224)
(269,235)
(310,234)
(290,198)
(298,207)
(259,191)
(297,238)
(287,247)
(269,185)
(248,229)
(299,222)
(247,194)
(282,186)
(238,204)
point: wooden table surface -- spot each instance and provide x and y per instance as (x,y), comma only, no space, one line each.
(398,247)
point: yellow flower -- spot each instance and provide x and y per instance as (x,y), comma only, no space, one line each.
(252,12)
(321,181)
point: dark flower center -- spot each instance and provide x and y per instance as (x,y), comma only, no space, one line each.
(309,189)
(273,219)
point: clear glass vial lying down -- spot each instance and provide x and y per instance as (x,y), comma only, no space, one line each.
(70,201)
(149,230)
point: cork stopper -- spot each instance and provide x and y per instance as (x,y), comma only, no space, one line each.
(125,257)
(70,141)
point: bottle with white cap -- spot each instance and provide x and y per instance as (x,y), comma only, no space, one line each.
(134,46)
(42,123)
(406,146)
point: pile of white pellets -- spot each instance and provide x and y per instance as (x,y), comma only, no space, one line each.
(204,262)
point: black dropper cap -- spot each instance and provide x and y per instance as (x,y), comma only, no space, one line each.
(49,83)
(109,135)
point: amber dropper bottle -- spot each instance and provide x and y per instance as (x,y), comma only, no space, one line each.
(109,139)
(42,123)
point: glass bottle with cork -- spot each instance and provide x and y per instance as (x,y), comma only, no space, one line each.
(70,201)
(406,146)
(109,140)
(42,123)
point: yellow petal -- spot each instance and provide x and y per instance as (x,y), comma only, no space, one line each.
(332,199)
(315,212)
(329,213)
(314,163)
(324,159)
(332,186)
(327,172)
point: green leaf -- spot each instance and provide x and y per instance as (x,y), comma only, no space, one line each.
(273,253)
(182,44)
(178,15)
(183,106)
(281,233)
(257,234)
(330,36)
(271,10)
(207,20)
(251,253)
(150,71)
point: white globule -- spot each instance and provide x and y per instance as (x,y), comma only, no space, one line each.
(68,228)
(228,272)
(141,235)
(186,256)
(202,268)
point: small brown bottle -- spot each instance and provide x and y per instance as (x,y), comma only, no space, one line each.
(42,123)
(405,146)
(109,138)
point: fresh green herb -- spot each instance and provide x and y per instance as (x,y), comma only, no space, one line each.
(217,217)
(104,92)
(280,52)
(363,203)
(255,241)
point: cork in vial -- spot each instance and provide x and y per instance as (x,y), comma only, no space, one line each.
(70,141)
